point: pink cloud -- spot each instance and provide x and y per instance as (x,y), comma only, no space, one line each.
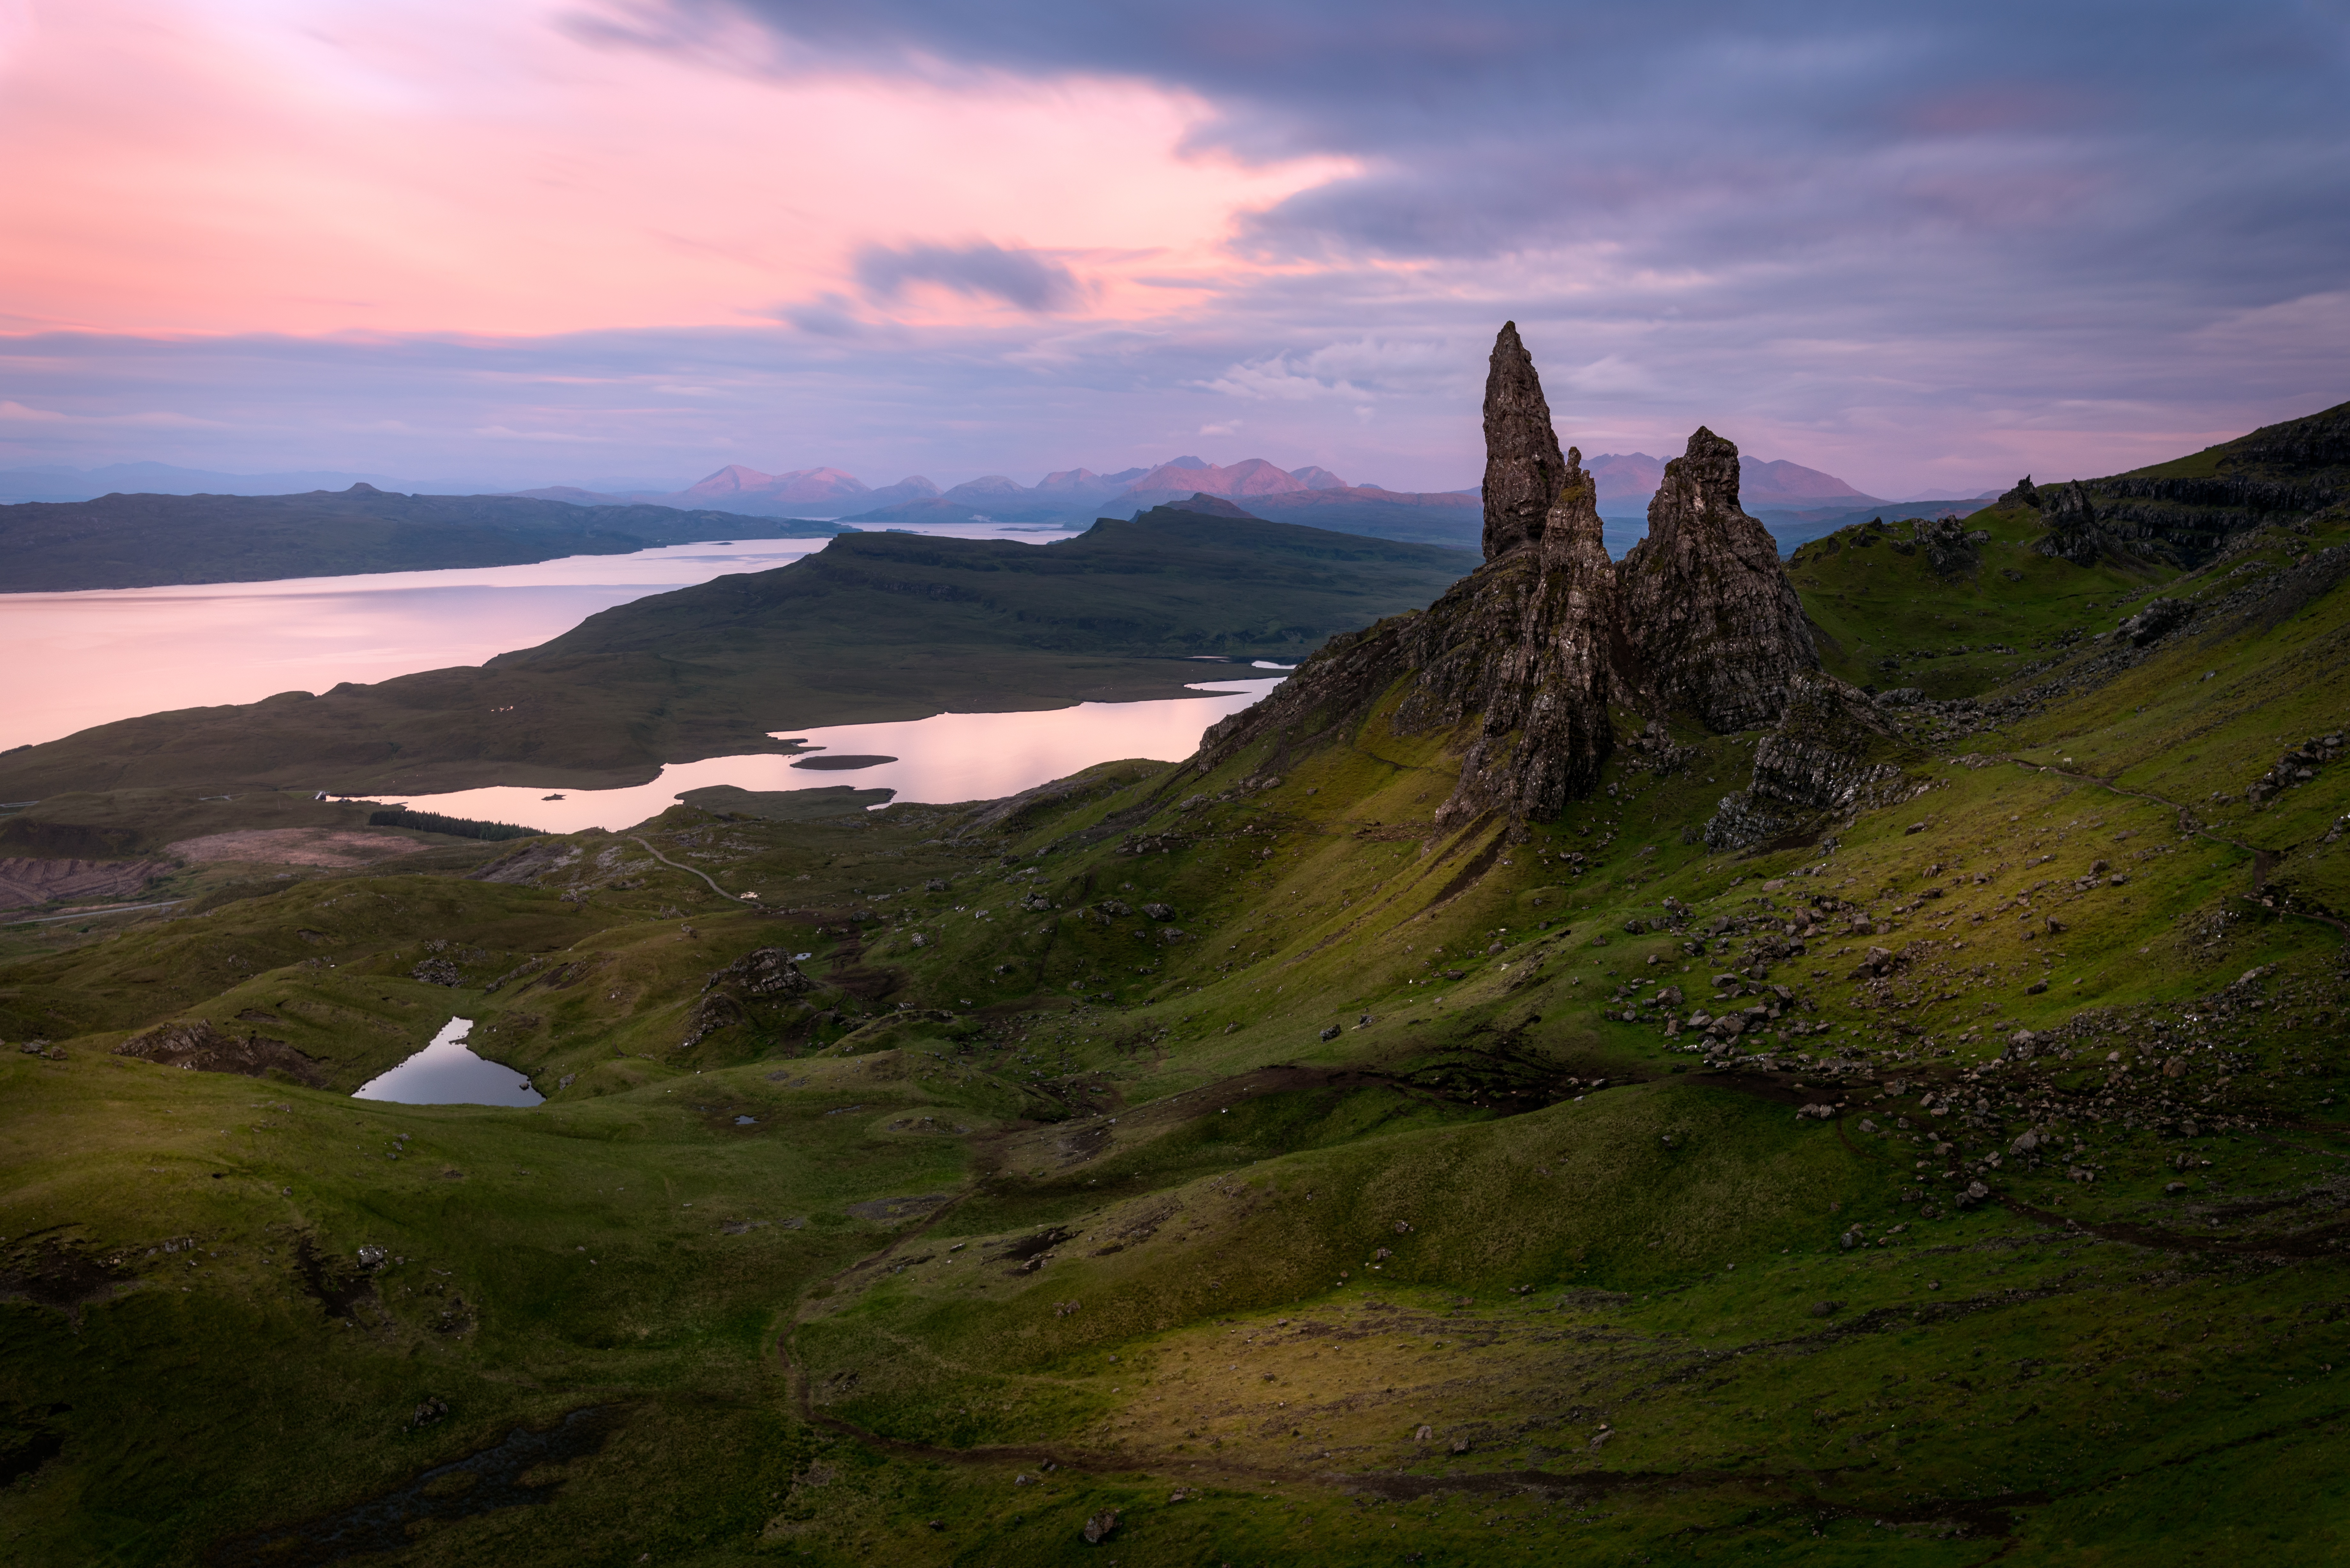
(436,167)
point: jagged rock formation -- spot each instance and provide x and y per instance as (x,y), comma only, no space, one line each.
(1710,612)
(1522,658)
(1524,470)
(2025,493)
(1826,758)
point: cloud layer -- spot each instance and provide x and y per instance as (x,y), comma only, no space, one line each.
(1915,246)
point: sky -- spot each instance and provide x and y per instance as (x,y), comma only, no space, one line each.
(1926,246)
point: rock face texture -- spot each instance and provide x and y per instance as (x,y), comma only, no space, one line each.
(2073,530)
(1523,469)
(1526,648)
(1522,659)
(1708,610)
(1950,549)
(1827,757)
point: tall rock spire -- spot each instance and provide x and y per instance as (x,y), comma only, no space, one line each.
(1536,669)
(1709,611)
(1524,470)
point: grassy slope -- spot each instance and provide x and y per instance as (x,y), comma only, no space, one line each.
(875,626)
(144,541)
(1615,1288)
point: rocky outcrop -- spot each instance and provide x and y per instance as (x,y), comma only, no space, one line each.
(1950,550)
(2072,521)
(763,971)
(1522,659)
(2157,621)
(199,1047)
(2025,493)
(1523,469)
(1526,649)
(1518,657)
(1827,758)
(1709,613)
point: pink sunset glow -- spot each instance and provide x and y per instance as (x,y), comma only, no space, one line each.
(206,168)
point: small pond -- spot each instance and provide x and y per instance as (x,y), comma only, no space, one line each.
(446,1074)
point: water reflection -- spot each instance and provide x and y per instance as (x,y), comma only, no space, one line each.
(945,757)
(446,1074)
(106,654)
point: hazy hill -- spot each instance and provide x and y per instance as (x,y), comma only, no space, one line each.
(825,492)
(143,541)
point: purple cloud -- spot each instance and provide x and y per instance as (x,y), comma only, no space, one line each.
(1021,278)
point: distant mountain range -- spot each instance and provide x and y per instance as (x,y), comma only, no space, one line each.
(1310,494)
(1796,502)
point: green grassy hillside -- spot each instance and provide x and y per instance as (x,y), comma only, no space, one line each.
(1233,1152)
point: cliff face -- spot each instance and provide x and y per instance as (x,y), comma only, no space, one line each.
(1526,648)
(1524,470)
(1522,658)
(1708,608)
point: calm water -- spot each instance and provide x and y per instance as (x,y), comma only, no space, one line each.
(116,653)
(446,1074)
(946,757)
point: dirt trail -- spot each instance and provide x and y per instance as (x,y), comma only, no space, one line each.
(687,870)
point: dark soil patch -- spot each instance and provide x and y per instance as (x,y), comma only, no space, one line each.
(479,1483)
(334,1284)
(60,1276)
